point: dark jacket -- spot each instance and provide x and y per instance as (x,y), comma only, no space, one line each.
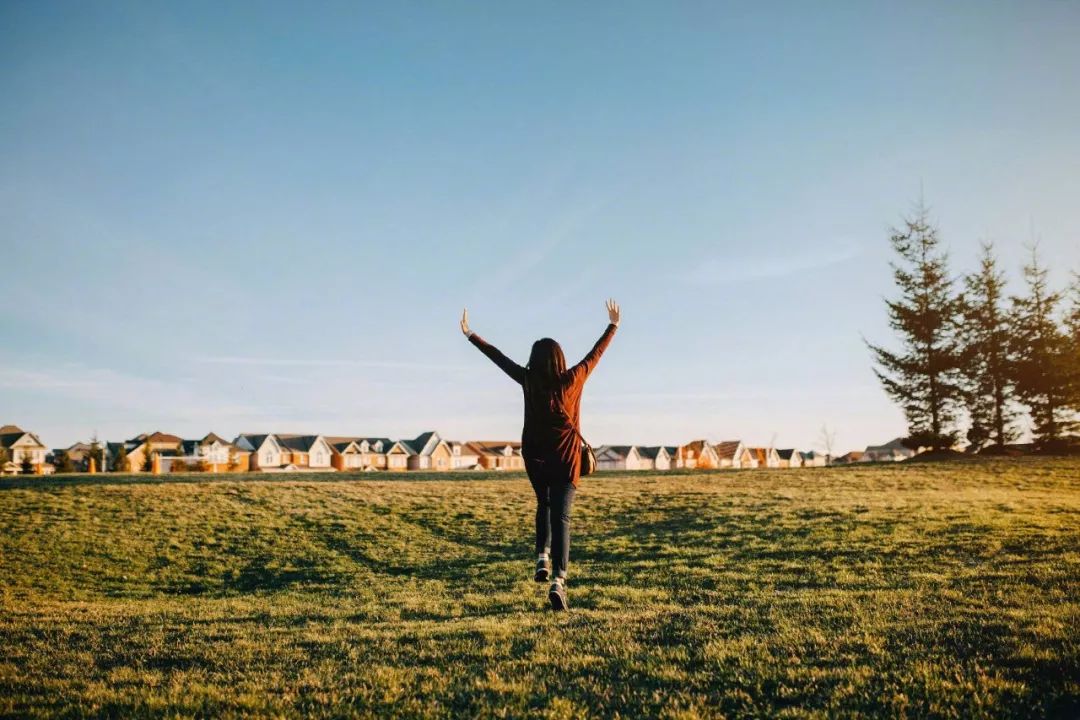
(552,421)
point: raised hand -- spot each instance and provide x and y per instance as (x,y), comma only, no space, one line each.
(613,311)
(465,322)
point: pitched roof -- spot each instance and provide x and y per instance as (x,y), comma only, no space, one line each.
(10,438)
(786,453)
(494,447)
(157,437)
(425,443)
(651,451)
(622,451)
(808,455)
(298,443)
(726,449)
(9,429)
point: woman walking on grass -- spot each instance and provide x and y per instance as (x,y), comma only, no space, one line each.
(551,440)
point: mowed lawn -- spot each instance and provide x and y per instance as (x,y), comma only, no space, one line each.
(945,590)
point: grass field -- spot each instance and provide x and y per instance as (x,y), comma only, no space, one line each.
(946,590)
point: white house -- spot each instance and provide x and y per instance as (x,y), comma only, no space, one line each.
(618,457)
(790,458)
(22,447)
(892,451)
(654,457)
(731,454)
(429,452)
(266,452)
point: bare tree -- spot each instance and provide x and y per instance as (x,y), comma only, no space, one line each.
(827,441)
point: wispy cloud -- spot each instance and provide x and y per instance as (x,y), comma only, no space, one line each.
(730,268)
(325,363)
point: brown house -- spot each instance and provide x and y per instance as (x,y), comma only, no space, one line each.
(697,454)
(498,454)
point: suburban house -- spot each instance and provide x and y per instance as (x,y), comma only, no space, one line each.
(497,455)
(847,458)
(618,457)
(654,457)
(265,451)
(732,454)
(813,459)
(358,453)
(212,454)
(673,456)
(429,452)
(465,457)
(21,447)
(142,446)
(397,456)
(697,454)
(764,457)
(892,451)
(310,452)
(77,453)
(790,458)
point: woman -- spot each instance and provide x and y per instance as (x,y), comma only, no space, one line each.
(551,440)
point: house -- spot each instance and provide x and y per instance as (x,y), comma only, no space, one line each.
(790,458)
(498,454)
(892,451)
(21,449)
(142,446)
(305,452)
(465,457)
(654,457)
(847,458)
(265,452)
(732,454)
(355,454)
(212,454)
(813,459)
(397,456)
(78,453)
(672,452)
(697,454)
(618,457)
(430,452)
(764,457)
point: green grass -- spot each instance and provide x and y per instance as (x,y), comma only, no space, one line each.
(946,590)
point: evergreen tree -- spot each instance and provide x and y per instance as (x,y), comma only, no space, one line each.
(1072,329)
(27,464)
(986,366)
(923,376)
(120,462)
(148,458)
(64,463)
(1042,358)
(97,453)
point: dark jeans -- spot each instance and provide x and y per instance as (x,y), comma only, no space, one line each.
(554,496)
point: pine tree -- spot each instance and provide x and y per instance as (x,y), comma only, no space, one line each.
(1042,358)
(120,462)
(64,463)
(923,377)
(148,458)
(986,366)
(1072,329)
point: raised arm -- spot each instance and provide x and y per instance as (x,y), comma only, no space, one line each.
(508,366)
(585,367)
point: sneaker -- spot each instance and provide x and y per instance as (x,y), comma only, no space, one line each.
(557,596)
(543,570)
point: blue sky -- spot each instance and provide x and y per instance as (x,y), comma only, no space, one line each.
(268,216)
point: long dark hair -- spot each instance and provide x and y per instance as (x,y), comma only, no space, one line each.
(547,365)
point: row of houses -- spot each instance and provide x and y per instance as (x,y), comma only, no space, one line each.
(701,454)
(159,452)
